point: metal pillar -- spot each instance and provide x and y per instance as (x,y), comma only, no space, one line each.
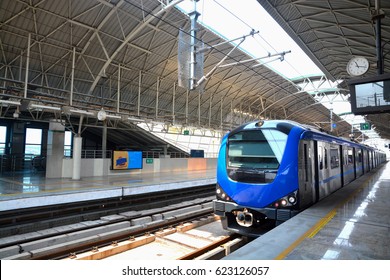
(77,141)
(139,93)
(193,33)
(104,140)
(118,96)
(72,78)
(378,20)
(27,65)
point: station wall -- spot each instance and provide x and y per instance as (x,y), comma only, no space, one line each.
(102,167)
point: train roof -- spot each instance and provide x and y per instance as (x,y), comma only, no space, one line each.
(308,131)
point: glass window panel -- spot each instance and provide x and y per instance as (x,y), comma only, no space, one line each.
(3,133)
(34,136)
(33,149)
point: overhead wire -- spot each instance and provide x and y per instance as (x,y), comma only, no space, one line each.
(257,35)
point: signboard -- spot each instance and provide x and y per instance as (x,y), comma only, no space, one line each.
(123,160)
(149,161)
(365,126)
(197,153)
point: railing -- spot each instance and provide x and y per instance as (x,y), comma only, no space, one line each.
(145,154)
(95,154)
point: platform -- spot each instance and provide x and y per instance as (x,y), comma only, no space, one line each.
(351,224)
(31,190)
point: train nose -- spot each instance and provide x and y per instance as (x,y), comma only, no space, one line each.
(244,218)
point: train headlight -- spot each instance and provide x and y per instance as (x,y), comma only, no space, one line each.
(286,201)
(221,195)
(292,199)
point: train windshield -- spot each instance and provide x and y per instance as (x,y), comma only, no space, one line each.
(256,149)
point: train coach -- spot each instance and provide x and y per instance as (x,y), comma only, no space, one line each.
(269,171)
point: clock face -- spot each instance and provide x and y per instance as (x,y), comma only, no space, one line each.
(101,115)
(357,66)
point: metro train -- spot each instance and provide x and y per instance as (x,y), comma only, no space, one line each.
(268,171)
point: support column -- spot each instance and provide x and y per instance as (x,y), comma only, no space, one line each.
(27,65)
(106,164)
(55,149)
(77,141)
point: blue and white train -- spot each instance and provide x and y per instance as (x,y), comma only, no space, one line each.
(268,171)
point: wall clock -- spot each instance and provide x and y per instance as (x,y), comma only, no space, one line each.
(358,66)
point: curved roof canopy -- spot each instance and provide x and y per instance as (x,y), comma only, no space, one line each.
(332,32)
(65,59)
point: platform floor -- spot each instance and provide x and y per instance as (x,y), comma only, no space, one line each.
(32,190)
(351,224)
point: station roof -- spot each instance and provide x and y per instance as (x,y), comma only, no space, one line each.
(332,32)
(122,55)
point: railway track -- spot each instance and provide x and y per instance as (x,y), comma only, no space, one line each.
(202,238)
(77,229)
(58,242)
(189,229)
(17,222)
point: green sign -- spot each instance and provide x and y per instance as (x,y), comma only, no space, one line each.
(149,160)
(365,126)
(186,132)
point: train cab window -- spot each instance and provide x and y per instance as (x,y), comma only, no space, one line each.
(262,149)
(254,156)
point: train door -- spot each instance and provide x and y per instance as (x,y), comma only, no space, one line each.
(342,164)
(335,168)
(349,165)
(306,173)
(323,170)
(371,160)
(354,162)
(367,161)
(359,162)
(364,161)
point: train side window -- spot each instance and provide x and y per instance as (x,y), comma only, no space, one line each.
(334,158)
(360,155)
(326,158)
(320,158)
(345,156)
(350,156)
(306,162)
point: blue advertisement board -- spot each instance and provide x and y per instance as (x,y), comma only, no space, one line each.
(122,160)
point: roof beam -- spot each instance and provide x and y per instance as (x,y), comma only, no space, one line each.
(157,12)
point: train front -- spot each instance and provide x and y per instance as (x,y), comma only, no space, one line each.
(257,176)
